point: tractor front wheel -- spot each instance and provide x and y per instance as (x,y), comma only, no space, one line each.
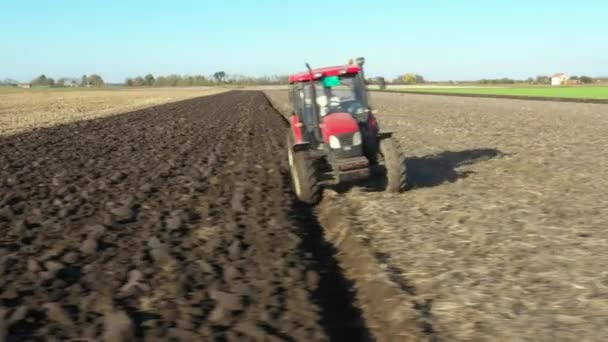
(304,179)
(394,163)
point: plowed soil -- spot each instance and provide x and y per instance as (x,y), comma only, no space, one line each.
(172,222)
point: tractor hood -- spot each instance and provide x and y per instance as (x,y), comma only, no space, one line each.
(338,123)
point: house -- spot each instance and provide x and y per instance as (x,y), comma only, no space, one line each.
(72,82)
(559,79)
(69,82)
(24,85)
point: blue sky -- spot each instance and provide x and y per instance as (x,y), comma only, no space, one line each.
(440,40)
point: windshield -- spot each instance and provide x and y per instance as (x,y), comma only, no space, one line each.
(345,96)
(345,91)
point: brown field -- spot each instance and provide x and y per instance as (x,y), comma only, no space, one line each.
(21,110)
(176,222)
(503,233)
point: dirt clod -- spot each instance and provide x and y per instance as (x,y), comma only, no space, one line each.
(88,246)
(118,327)
(226,300)
(123,214)
(56,313)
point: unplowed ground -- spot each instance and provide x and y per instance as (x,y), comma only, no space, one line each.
(26,109)
(173,222)
(502,235)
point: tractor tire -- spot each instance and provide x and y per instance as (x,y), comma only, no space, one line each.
(394,163)
(304,176)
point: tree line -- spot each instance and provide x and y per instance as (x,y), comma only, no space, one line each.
(582,79)
(219,77)
(93,80)
(8,82)
(168,81)
(409,78)
(413,78)
(540,79)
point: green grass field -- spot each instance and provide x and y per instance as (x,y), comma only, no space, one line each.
(600,92)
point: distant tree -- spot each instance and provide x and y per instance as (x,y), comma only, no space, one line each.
(84,81)
(541,79)
(200,80)
(61,82)
(173,80)
(95,81)
(139,81)
(586,79)
(9,82)
(40,80)
(184,81)
(160,81)
(129,82)
(149,80)
(504,80)
(409,78)
(219,76)
(43,81)
(530,80)
(574,78)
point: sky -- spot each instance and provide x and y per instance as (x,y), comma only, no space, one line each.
(441,40)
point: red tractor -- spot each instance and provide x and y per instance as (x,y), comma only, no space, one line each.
(334,137)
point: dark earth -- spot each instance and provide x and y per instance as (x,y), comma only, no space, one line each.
(174,222)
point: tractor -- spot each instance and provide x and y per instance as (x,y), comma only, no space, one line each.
(334,138)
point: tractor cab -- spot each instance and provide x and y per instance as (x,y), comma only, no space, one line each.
(318,94)
(333,136)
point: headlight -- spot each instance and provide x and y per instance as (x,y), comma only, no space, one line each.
(357,139)
(334,142)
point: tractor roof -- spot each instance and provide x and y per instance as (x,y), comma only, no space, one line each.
(305,76)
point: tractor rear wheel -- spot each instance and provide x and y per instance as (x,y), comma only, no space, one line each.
(304,175)
(394,163)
